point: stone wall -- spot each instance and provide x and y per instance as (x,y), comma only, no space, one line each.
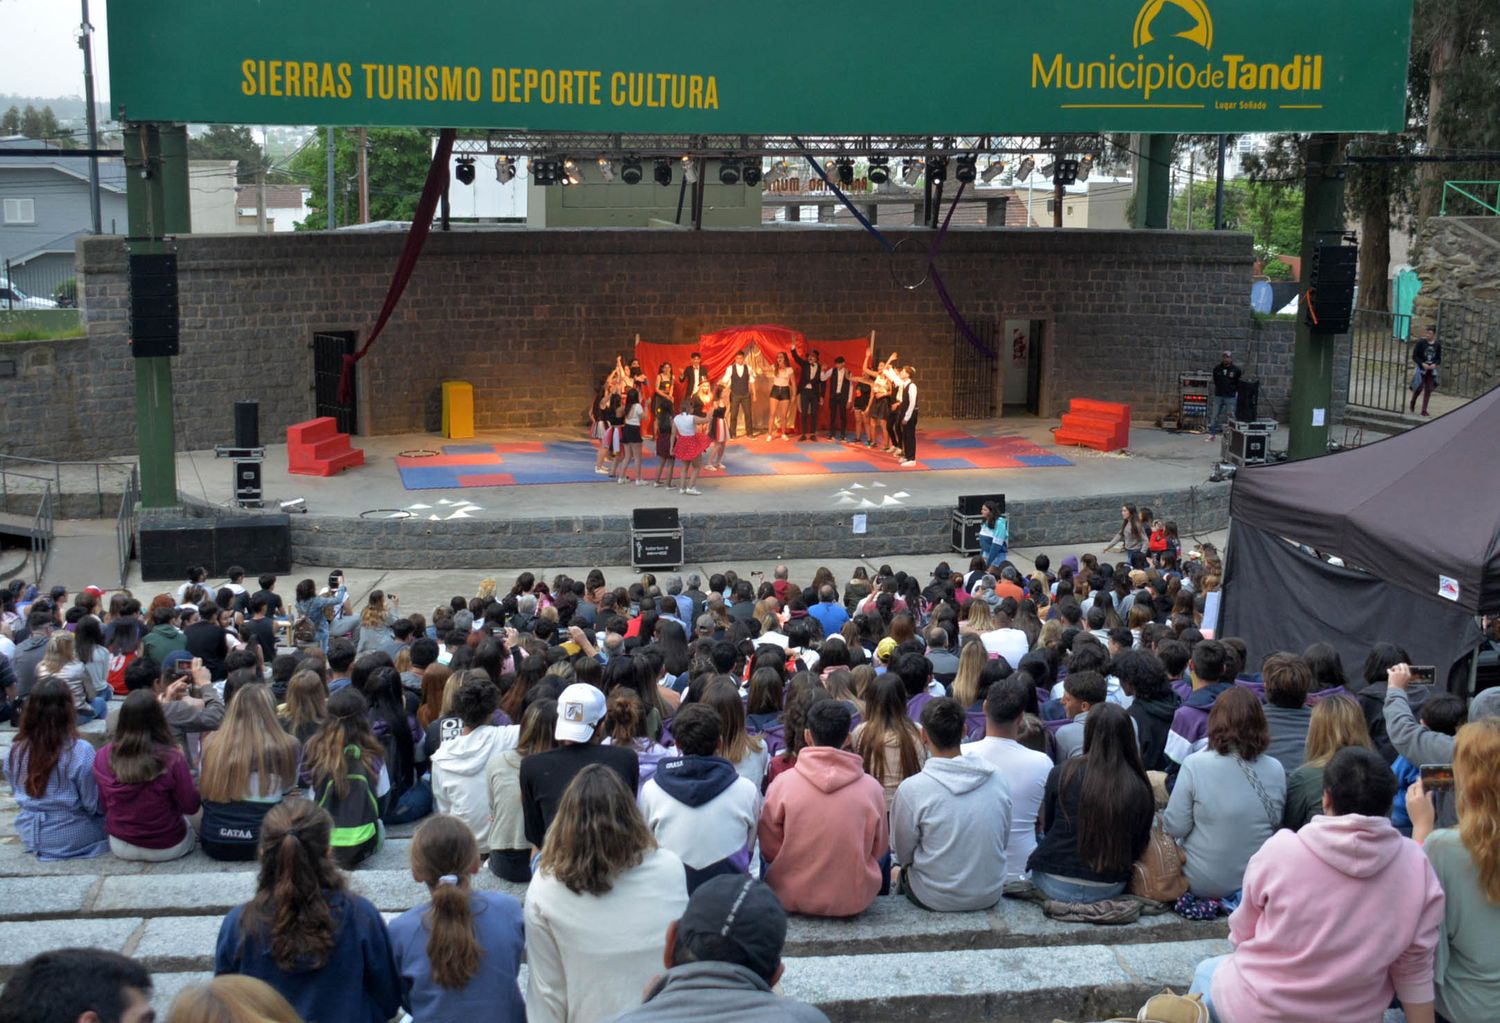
(725,538)
(534,319)
(1458,261)
(1268,358)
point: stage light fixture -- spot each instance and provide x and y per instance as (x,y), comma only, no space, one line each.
(963,169)
(911,171)
(1046,169)
(879,170)
(663,172)
(505,170)
(993,171)
(630,170)
(689,169)
(729,173)
(543,171)
(1023,171)
(845,167)
(1085,167)
(751,172)
(1066,172)
(937,169)
(606,169)
(464,172)
(571,173)
(779,169)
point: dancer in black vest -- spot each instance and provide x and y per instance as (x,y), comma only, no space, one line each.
(737,379)
(839,393)
(906,425)
(809,395)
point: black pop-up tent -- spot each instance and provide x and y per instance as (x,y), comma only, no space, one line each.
(1416,518)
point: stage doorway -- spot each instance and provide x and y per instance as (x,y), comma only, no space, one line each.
(329,349)
(1021,367)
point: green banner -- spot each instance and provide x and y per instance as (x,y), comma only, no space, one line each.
(669,66)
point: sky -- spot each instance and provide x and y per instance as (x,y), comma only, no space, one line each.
(39,55)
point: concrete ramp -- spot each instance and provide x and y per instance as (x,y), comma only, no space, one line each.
(84,553)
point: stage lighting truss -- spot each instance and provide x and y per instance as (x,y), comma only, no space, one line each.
(464,171)
(619,145)
(505,170)
(879,171)
(963,169)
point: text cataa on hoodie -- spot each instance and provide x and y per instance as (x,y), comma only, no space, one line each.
(949,826)
(702,810)
(824,831)
(459,783)
(1335,919)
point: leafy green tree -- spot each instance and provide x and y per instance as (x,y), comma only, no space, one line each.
(10,121)
(31,122)
(229,142)
(398,161)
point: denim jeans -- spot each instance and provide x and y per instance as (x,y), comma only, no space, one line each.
(1063,890)
(414,804)
(986,545)
(1219,409)
(1203,980)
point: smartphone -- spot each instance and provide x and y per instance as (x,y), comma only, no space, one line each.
(1424,673)
(1436,777)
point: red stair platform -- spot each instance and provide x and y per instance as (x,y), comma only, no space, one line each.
(316,448)
(1101,425)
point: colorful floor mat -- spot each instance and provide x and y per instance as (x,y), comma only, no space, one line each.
(522,463)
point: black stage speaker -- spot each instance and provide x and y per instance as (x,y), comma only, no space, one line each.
(153,305)
(168,547)
(1332,283)
(654,518)
(973,504)
(259,543)
(247,424)
(1247,401)
(247,486)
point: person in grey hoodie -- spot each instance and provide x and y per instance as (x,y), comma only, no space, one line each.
(697,805)
(723,958)
(1420,744)
(950,821)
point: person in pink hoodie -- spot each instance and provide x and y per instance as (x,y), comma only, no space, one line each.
(1336,918)
(823,829)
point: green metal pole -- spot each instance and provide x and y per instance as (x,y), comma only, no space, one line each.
(150,212)
(177,216)
(1153,186)
(1312,355)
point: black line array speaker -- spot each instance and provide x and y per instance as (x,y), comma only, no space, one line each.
(973,504)
(1247,401)
(654,518)
(258,543)
(154,319)
(247,424)
(1332,282)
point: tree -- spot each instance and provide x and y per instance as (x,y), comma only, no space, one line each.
(1271,214)
(398,161)
(31,122)
(10,122)
(229,142)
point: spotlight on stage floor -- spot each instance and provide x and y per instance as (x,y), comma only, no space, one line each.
(663,172)
(630,170)
(295,506)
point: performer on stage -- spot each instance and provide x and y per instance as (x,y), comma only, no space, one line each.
(606,414)
(809,395)
(630,439)
(738,378)
(905,411)
(689,442)
(694,376)
(661,412)
(665,385)
(719,432)
(859,404)
(781,397)
(839,393)
(878,412)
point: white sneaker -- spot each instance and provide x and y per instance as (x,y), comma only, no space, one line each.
(640,483)
(908,462)
(693,490)
(599,470)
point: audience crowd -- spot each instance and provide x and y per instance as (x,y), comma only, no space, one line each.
(673,765)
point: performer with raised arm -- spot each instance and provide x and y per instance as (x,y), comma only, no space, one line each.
(607,414)
(905,412)
(689,441)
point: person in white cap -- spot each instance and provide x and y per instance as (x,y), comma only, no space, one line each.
(545,776)
(1226,393)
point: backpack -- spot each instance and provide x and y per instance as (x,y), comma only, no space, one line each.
(1158,875)
(305,632)
(356,814)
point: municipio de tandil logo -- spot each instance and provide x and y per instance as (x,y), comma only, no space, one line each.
(1161,65)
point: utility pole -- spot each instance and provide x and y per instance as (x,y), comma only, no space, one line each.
(1312,354)
(1190,191)
(362,161)
(86,44)
(1219,188)
(332,221)
(260,180)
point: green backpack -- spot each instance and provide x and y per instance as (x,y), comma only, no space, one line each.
(357,831)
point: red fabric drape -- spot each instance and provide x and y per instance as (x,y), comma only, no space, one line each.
(421,226)
(719,349)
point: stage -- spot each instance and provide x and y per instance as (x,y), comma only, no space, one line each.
(367,517)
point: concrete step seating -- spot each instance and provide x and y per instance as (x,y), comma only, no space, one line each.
(317,448)
(1101,425)
(893,962)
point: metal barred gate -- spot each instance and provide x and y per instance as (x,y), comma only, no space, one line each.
(1380,346)
(975,374)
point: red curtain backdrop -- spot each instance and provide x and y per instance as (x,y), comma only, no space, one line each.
(719,349)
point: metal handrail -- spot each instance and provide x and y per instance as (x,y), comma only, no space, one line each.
(125,525)
(1454,187)
(41,536)
(56,478)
